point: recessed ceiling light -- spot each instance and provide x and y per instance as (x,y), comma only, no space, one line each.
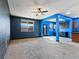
(76,16)
(68,13)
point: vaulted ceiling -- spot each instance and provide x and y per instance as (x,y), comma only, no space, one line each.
(24,8)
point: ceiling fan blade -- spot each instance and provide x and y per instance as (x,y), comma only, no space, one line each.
(45,11)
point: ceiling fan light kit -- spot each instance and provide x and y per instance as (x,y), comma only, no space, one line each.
(39,12)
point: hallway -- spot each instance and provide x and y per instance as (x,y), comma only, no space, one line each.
(42,48)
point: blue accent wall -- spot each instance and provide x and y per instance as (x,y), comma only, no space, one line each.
(4,27)
(16,28)
(53,32)
(58,16)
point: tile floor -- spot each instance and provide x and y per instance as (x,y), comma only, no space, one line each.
(42,48)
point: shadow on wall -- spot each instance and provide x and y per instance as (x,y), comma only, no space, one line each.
(4,27)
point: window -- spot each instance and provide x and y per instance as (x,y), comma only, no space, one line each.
(27,25)
(31,26)
(64,25)
(75,24)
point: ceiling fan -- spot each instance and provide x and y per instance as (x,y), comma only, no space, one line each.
(40,12)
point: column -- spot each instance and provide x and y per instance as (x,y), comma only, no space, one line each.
(70,31)
(57,29)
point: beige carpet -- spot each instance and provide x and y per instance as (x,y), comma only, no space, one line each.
(41,48)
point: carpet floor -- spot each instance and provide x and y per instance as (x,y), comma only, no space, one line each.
(41,48)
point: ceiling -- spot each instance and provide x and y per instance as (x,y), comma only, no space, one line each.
(24,8)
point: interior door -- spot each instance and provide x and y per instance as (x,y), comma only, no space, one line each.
(45,30)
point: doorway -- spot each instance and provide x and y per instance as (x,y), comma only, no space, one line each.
(44,30)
